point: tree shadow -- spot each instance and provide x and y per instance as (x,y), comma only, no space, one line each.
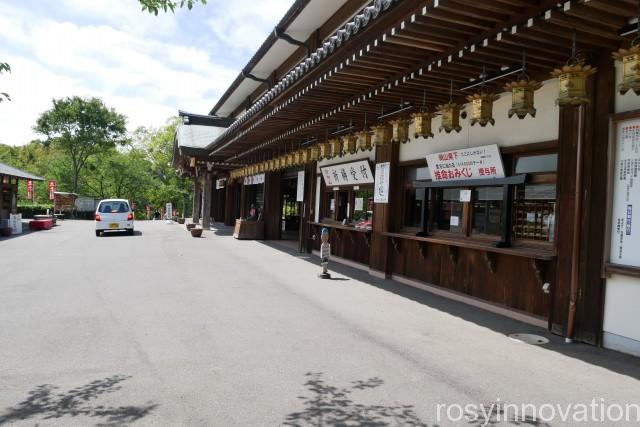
(46,402)
(332,406)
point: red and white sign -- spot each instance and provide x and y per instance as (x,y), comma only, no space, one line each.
(52,189)
(469,163)
(29,189)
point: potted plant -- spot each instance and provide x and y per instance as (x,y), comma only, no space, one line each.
(180,220)
(196,232)
(190,226)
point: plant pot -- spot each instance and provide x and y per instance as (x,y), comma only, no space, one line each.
(190,226)
(6,231)
(196,232)
(180,220)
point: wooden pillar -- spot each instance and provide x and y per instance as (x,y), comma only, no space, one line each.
(307,209)
(580,214)
(197,198)
(272,212)
(383,213)
(206,200)
(230,204)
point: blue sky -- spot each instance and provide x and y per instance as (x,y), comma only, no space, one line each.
(144,66)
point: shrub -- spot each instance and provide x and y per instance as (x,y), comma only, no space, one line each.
(28,211)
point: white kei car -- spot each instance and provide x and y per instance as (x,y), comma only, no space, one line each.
(114,215)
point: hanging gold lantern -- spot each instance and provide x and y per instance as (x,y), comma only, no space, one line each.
(314,153)
(422,121)
(572,82)
(381,134)
(482,108)
(288,160)
(450,117)
(349,143)
(522,96)
(364,141)
(296,158)
(630,69)
(192,162)
(325,150)
(400,130)
(335,147)
(304,156)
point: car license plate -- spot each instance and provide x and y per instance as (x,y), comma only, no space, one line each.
(113,225)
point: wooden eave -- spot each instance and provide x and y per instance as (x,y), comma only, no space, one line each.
(417,50)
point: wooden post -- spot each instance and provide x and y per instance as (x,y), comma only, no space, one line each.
(206,200)
(197,198)
(230,204)
(383,213)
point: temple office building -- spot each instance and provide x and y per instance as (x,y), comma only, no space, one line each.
(485,151)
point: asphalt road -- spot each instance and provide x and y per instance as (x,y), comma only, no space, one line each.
(164,329)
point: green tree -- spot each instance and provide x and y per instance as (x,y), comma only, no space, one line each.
(5,68)
(81,128)
(155,6)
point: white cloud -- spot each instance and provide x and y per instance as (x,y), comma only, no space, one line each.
(110,49)
(245,25)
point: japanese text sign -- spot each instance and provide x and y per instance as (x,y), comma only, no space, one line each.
(254,179)
(382,183)
(625,234)
(29,189)
(469,163)
(355,173)
(52,189)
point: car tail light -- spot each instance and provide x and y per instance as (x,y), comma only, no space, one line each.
(98,217)
(129,217)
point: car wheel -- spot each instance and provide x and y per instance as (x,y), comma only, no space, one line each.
(97,233)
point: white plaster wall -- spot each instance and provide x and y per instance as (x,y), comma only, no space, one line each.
(506,132)
(622,295)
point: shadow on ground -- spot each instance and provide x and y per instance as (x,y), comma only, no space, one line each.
(327,405)
(121,234)
(46,402)
(608,359)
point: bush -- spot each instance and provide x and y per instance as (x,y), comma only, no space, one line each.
(28,211)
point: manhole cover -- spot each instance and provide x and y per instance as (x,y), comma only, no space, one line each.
(529,339)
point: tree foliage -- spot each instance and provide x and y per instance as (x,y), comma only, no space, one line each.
(4,68)
(81,128)
(155,6)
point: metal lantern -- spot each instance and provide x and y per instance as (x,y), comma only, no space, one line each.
(422,121)
(265,166)
(290,160)
(304,156)
(349,144)
(325,150)
(314,153)
(522,96)
(482,108)
(364,141)
(572,82)
(192,162)
(381,134)
(336,147)
(630,69)
(450,117)
(399,130)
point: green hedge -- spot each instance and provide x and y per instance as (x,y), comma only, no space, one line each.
(28,211)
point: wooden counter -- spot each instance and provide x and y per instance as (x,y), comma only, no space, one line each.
(248,230)
(518,251)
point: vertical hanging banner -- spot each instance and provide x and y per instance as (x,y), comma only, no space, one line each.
(29,189)
(300,194)
(381,187)
(52,189)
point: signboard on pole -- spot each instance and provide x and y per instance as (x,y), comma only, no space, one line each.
(52,189)
(169,211)
(381,187)
(300,193)
(469,163)
(355,173)
(29,189)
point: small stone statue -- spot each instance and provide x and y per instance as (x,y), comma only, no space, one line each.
(325,254)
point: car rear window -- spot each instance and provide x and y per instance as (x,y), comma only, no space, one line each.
(113,207)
